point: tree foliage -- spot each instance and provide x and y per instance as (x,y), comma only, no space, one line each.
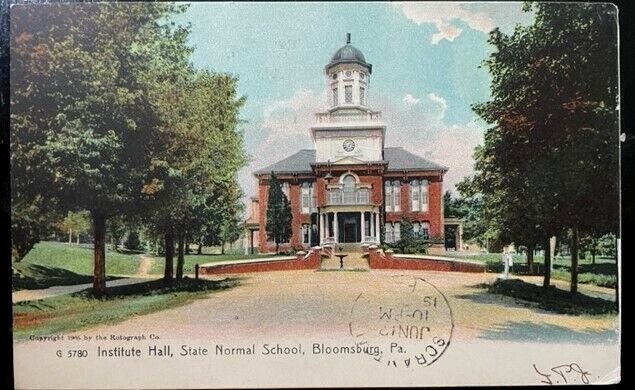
(278,225)
(548,163)
(108,115)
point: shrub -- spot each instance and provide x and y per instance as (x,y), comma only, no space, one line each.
(132,242)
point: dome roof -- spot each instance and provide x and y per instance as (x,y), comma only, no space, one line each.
(348,54)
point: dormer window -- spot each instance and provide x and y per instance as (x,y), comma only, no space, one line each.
(348,94)
(334,76)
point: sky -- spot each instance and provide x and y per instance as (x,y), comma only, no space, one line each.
(426,73)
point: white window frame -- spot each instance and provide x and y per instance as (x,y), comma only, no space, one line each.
(285,188)
(396,231)
(307,202)
(414,195)
(388,195)
(388,236)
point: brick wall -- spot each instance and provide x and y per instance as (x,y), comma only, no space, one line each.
(310,261)
(379,260)
(433,216)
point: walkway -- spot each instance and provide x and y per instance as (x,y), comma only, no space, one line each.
(32,295)
(354,261)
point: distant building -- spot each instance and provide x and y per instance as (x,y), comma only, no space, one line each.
(350,185)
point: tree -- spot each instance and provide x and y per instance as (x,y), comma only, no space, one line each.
(230,231)
(90,146)
(554,100)
(278,225)
(75,222)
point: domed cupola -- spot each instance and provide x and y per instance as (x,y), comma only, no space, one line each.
(348,77)
(349,54)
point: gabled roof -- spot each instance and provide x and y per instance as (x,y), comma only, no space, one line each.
(397,158)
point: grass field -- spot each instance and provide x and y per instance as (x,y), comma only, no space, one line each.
(67,313)
(603,273)
(79,259)
(552,299)
(56,263)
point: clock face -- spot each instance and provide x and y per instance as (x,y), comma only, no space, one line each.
(349,145)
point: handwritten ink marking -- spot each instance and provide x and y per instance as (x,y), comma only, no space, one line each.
(564,373)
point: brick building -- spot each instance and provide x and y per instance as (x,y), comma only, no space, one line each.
(350,185)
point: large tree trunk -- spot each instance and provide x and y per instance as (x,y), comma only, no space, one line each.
(530,258)
(222,247)
(70,236)
(168,275)
(200,248)
(99,254)
(180,259)
(574,259)
(78,239)
(547,280)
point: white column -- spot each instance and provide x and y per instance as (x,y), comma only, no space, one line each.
(372,224)
(363,225)
(376,227)
(321,228)
(335,230)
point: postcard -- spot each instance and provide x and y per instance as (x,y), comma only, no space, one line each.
(248,195)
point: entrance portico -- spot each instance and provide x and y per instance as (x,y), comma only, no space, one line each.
(349,224)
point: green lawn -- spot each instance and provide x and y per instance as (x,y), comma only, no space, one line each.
(79,259)
(68,313)
(602,273)
(551,299)
(56,263)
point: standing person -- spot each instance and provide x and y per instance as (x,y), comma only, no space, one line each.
(505,274)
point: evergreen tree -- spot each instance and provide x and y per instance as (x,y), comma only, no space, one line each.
(279,216)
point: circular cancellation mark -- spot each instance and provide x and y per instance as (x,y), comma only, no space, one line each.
(410,320)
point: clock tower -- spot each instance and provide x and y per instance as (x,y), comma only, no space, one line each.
(349,132)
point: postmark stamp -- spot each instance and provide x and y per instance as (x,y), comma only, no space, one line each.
(411,320)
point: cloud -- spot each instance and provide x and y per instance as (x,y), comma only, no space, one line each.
(416,123)
(443,14)
(284,129)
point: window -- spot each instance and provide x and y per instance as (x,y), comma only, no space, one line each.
(348,94)
(306,233)
(334,97)
(285,189)
(388,195)
(361,96)
(425,230)
(397,231)
(388,236)
(308,202)
(419,195)
(392,195)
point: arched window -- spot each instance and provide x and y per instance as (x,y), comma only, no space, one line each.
(348,189)
(348,182)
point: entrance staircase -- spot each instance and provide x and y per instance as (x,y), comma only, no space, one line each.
(354,261)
